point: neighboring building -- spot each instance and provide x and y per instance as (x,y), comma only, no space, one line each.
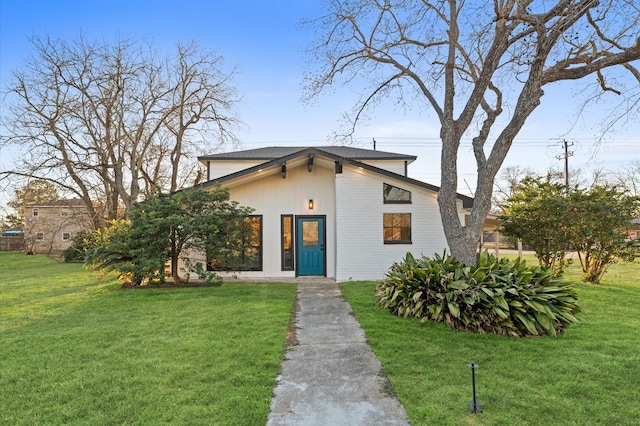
(50,226)
(634,230)
(11,240)
(339,212)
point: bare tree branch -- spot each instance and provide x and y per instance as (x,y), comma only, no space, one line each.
(116,121)
(470,63)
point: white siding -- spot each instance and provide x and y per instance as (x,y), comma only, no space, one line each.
(353,207)
(222,168)
(274,196)
(395,166)
(361,252)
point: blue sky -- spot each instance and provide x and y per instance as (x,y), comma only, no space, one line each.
(264,41)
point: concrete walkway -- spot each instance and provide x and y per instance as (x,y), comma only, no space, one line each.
(331,377)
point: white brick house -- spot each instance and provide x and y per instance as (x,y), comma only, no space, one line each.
(340,212)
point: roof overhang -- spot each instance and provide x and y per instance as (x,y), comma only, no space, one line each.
(319,157)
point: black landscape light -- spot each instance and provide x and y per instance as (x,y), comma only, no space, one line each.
(475,404)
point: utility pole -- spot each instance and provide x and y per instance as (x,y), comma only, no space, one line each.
(566,156)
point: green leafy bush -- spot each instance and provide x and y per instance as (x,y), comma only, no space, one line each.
(498,296)
(76,252)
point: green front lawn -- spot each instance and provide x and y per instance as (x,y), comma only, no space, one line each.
(77,349)
(588,376)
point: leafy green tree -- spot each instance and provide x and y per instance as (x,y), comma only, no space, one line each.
(536,214)
(34,192)
(124,248)
(169,228)
(206,221)
(598,221)
(592,222)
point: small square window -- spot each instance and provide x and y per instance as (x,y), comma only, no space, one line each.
(396,228)
(64,212)
(36,212)
(39,236)
(66,236)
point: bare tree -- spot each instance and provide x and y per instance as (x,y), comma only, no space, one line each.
(507,183)
(481,66)
(629,178)
(114,122)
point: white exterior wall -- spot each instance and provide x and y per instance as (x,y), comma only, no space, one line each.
(395,166)
(274,196)
(361,252)
(223,168)
(353,207)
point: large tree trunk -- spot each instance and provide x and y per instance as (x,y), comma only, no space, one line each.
(462,238)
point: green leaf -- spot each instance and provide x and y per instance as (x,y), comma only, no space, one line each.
(501,302)
(535,305)
(459,285)
(435,310)
(500,312)
(454,309)
(487,290)
(546,323)
(529,325)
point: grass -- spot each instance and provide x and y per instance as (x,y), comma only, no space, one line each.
(77,349)
(590,375)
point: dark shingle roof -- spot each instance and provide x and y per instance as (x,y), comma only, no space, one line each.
(274,152)
(292,153)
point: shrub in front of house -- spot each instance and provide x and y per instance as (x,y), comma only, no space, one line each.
(497,296)
(76,252)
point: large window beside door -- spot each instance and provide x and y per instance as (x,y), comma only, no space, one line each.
(249,257)
(397,228)
(287,242)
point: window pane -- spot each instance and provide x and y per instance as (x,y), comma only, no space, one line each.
(388,234)
(394,194)
(249,258)
(287,241)
(310,234)
(397,227)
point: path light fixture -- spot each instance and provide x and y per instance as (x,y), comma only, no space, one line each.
(475,404)
(310,204)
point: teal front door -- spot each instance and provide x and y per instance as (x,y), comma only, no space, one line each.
(310,246)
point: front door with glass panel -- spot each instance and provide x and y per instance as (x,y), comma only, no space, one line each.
(310,246)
